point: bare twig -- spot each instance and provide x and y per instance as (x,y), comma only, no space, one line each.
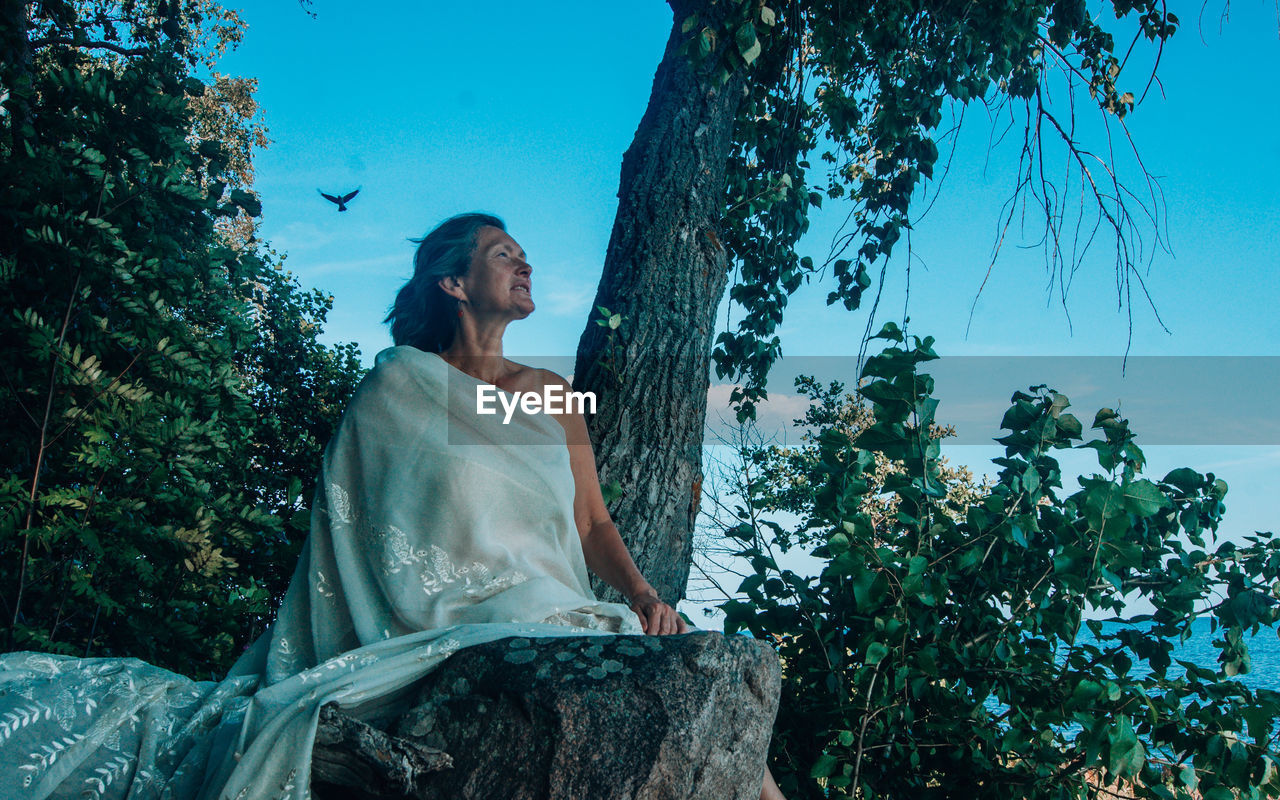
(39,465)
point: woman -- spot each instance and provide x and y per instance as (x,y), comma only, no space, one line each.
(469,269)
(471,280)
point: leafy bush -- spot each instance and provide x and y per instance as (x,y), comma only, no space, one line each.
(165,397)
(954,650)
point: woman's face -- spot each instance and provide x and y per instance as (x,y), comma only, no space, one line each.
(499,281)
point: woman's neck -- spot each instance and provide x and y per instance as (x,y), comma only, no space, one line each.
(479,358)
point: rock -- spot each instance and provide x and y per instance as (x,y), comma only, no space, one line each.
(574,718)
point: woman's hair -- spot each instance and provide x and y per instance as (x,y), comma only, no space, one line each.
(423,316)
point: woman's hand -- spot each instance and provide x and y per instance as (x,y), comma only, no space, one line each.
(656,617)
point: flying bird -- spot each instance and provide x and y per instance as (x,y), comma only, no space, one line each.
(341,201)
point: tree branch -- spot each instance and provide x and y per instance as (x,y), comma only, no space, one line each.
(91,44)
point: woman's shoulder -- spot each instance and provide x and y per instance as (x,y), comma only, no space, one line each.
(399,368)
(535,379)
(402,357)
(406,359)
(404,385)
(396,365)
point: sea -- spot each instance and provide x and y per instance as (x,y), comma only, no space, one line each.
(1264,653)
(1199,649)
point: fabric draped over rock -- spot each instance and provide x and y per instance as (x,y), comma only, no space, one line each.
(434,528)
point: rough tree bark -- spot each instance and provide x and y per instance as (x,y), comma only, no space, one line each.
(665,272)
(16,52)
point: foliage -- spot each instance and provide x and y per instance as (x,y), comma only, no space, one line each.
(942,655)
(227,113)
(154,437)
(613,352)
(776,479)
(299,388)
(869,85)
(783,480)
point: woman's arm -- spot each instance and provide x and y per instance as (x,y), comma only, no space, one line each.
(605,552)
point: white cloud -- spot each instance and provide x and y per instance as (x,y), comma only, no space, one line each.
(382,265)
(774,417)
(566,300)
(299,237)
(1262,459)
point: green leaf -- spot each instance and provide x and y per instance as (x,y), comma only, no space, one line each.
(1108,454)
(611,491)
(1070,427)
(1185,479)
(876,652)
(1104,416)
(706,42)
(1144,498)
(1127,755)
(824,766)
(246,200)
(748,43)
(1103,501)
(890,331)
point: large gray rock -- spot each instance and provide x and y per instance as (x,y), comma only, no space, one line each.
(576,718)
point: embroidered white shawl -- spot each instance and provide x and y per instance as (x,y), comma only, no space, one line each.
(434,528)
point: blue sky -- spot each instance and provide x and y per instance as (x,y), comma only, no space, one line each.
(525,109)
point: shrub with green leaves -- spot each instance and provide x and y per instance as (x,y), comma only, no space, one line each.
(299,388)
(164,396)
(987,651)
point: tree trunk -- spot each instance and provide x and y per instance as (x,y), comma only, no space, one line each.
(665,272)
(14,48)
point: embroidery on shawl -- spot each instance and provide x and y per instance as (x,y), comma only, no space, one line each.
(486,586)
(77,713)
(435,569)
(341,503)
(117,767)
(582,622)
(287,785)
(322,585)
(47,756)
(478,581)
(21,717)
(321,671)
(447,648)
(287,655)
